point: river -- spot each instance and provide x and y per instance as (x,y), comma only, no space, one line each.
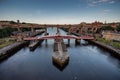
(87,62)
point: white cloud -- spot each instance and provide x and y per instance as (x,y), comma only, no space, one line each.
(91,5)
(103,1)
(112,2)
(99,2)
(106,11)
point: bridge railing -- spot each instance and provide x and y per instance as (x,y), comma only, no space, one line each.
(59,37)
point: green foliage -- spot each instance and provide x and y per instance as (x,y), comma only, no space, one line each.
(104,41)
(13,22)
(118,28)
(107,28)
(108,42)
(5,32)
(37,28)
(23,23)
(26,29)
(116,45)
(4,43)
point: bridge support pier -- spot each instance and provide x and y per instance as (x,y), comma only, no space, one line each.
(69,31)
(77,41)
(45,31)
(46,35)
(68,42)
(57,30)
(46,44)
(32,29)
(18,29)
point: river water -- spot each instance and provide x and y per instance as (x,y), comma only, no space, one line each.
(87,62)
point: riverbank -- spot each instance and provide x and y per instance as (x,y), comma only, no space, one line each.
(11,49)
(109,48)
(114,44)
(6,41)
(113,51)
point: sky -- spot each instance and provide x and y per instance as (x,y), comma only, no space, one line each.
(60,11)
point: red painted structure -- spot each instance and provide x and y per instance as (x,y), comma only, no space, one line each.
(59,37)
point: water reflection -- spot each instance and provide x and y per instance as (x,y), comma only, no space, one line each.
(46,43)
(87,62)
(114,61)
(61,68)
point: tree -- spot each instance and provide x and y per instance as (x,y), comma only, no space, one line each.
(23,23)
(107,28)
(12,22)
(26,29)
(5,32)
(118,28)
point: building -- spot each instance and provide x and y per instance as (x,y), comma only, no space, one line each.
(97,24)
(108,35)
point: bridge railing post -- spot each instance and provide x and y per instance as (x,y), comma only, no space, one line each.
(46,32)
(77,41)
(18,28)
(32,28)
(68,42)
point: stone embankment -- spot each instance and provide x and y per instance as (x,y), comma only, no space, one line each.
(60,54)
(106,47)
(112,50)
(13,48)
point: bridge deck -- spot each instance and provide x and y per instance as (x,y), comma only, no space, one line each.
(59,37)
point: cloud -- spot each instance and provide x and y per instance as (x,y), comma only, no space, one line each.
(99,2)
(91,5)
(106,11)
(103,1)
(112,2)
